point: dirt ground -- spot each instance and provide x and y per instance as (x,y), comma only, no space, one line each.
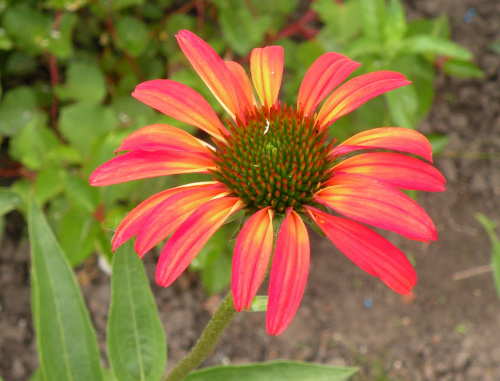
(447,330)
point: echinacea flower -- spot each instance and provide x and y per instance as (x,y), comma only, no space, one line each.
(276,163)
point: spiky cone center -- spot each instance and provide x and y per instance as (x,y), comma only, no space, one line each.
(278,157)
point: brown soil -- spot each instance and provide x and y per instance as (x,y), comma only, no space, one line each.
(447,330)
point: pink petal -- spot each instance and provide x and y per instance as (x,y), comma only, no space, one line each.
(394,138)
(182,103)
(211,68)
(144,164)
(191,236)
(242,85)
(367,200)
(266,66)
(163,137)
(288,273)
(368,250)
(357,91)
(324,75)
(400,171)
(171,213)
(251,257)
(134,220)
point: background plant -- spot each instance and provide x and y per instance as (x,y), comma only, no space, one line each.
(68,66)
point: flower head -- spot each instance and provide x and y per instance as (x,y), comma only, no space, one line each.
(275,162)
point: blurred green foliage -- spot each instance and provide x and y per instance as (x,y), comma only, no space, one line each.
(67,68)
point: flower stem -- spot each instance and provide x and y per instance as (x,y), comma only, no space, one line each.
(207,341)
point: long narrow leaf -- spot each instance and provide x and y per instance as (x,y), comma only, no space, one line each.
(66,340)
(490,226)
(273,371)
(136,341)
(9,200)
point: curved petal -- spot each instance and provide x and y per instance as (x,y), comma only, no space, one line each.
(398,170)
(395,138)
(192,235)
(266,66)
(357,91)
(134,220)
(242,85)
(211,68)
(367,249)
(171,213)
(324,75)
(157,137)
(288,273)
(251,256)
(182,103)
(367,200)
(144,164)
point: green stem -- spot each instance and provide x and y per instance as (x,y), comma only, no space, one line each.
(207,341)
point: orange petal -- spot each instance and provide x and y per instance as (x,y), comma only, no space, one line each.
(357,91)
(191,236)
(134,220)
(171,213)
(266,66)
(163,137)
(242,86)
(324,75)
(368,250)
(394,138)
(367,200)
(288,273)
(398,170)
(145,164)
(211,68)
(251,257)
(182,103)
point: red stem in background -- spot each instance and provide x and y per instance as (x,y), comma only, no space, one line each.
(200,9)
(299,27)
(112,31)
(54,75)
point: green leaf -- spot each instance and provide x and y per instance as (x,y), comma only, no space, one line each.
(395,26)
(84,82)
(120,4)
(273,371)
(48,184)
(490,227)
(372,18)
(342,22)
(136,340)
(18,109)
(132,35)
(462,69)
(66,340)
(19,63)
(82,123)
(403,106)
(422,44)
(438,142)
(214,262)
(28,27)
(33,31)
(81,195)
(76,235)
(241,29)
(9,201)
(5,41)
(70,5)
(60,41)
(33,145)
